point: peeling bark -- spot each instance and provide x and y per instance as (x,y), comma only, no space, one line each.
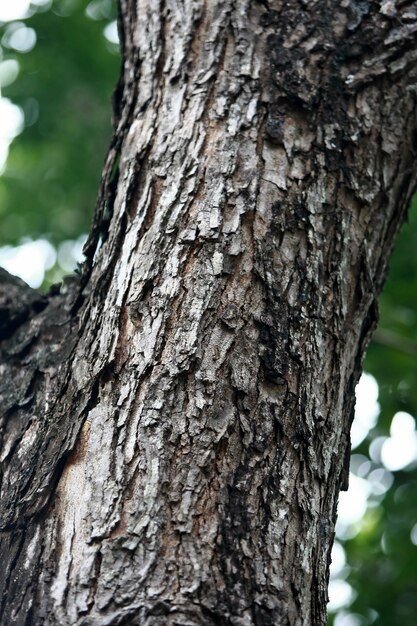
(175,420)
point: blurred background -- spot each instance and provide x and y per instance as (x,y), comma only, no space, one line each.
(59,63)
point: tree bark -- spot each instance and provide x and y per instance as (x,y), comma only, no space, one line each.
(175,419)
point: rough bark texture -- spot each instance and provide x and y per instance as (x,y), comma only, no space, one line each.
(176,419)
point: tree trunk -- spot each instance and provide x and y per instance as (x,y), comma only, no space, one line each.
(175,420)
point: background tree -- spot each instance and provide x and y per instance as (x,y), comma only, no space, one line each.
(397,601)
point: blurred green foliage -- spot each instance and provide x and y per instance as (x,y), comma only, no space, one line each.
(64,88)
(392,357)
(382,556)
(49,187)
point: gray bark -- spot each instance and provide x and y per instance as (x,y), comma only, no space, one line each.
(175,420)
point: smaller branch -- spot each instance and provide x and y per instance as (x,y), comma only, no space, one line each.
(17,302)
